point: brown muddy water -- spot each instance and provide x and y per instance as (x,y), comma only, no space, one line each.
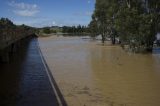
(89,74)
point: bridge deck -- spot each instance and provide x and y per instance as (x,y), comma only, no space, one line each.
(24,81)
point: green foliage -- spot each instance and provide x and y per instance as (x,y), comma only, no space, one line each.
(47,30)
(93,27)
(6,23)
(103,16)
(10,32)
(136,22)
(75,29)
(54,31)
(136,26)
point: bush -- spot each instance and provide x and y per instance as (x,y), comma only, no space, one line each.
(47,30)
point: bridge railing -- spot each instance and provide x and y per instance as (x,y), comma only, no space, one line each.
(9,36)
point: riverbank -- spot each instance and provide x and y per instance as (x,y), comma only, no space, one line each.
(89,74)
(63,34)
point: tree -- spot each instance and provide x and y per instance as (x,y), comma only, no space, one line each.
(10,32)
(74,29)
(105,12)
(93,27)
(136,22)
(136,26)
(47,30)
(101,17)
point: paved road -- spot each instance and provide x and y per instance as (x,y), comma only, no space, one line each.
(24,81)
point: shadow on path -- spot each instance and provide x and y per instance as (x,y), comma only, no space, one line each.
(24,81)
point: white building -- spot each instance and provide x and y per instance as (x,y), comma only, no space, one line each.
(158,36)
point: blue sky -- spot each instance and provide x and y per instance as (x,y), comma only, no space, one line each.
(40,13)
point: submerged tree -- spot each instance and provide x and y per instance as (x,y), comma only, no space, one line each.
(101,18)
(136,22)
(93,27)
(104,14)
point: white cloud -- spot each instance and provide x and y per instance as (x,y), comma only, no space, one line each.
(54,23)
(158,36)
(26,13)
(37,22)
(24,9)
(45,23)
(88,1)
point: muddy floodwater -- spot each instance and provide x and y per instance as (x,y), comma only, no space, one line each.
(89,74)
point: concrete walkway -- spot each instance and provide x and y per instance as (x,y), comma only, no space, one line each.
(24,81)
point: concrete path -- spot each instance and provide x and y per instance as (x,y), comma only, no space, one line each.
(25,81)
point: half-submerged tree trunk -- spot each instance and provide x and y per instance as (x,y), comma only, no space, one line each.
(149,46)
(103,38)
(128,3)
(113,40)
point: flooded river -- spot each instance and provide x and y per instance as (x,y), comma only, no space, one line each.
(89,74)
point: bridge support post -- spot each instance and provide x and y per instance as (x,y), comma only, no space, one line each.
(13,48)
(4,56)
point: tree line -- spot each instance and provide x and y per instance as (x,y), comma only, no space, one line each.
(48,30)
(135,22)
(10,31)
(75,29)
(71,30)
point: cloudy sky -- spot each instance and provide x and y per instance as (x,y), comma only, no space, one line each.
(41,13)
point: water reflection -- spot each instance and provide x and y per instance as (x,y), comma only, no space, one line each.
(128,79)
(156,50)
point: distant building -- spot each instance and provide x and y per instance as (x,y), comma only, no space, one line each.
(157,42)
(158,36)
(145,5)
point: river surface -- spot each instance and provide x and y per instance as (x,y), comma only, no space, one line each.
(90,74)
